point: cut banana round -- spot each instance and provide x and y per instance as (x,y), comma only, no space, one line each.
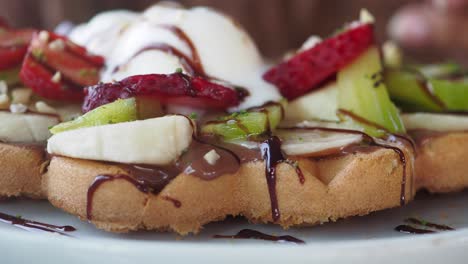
(157,141)
(25,128)
(303,142)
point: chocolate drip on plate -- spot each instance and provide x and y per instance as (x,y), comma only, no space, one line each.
(417,221)
(31,225)
(412,230)
(253,234)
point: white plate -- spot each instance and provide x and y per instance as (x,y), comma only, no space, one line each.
(360,239)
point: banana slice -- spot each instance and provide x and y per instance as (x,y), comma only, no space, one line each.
(303,142)
(157,141)
(25,128)
(435,122)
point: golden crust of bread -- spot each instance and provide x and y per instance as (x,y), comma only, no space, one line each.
(356,184)
(20,174)
(442,163)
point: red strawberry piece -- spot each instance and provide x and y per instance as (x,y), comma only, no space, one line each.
(176,88)
(308,69)
(13,46)
(57,69)
(39,78)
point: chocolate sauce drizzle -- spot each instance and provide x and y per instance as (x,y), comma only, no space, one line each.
(417,221)
(407,229)
(31,225)
(147,179)
(175,202)
(101,179)
(411,229)
(253,234)
(153,179)
(192,65)
(272,154)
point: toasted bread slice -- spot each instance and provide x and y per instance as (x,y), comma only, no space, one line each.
(22,168)
(355,184)
(441,165)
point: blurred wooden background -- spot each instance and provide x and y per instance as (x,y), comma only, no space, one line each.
(276,25)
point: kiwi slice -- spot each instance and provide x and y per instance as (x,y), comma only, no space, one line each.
(122,110)
(453,94)
(411,91)
(362,93)
(246,124)
(416,91)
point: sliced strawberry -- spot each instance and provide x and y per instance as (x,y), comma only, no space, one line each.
(13,46)
(308,69)
(15,38)
(174,88)
(11,57)
(58,69)
(80,51)
(39,78)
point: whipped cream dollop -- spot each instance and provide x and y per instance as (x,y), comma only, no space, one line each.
(165,38)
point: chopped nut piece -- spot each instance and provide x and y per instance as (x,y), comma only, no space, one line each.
(44,36)
(3,87)
(366,16)
(18,108)
(57,77)
(310,43)
(212,157)
(42,107)
(21,96)
(392,54)
(57,45)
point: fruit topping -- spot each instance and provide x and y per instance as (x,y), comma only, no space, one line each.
(156,141)
(427,90)
(248,124)
(363,97)
(116,112)
(25,127)
(311,142)
(57,69)
(13,46)
(320,104)
(176,88)
(441,71)
(310,68)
